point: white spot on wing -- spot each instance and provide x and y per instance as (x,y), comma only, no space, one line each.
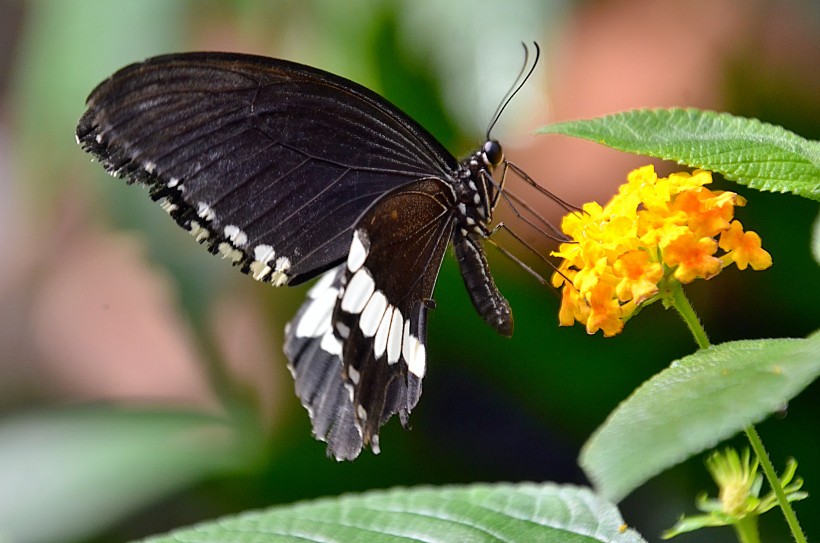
(358,291)
(394,340)
(322,284)
(418,362)
(280,276)
(357,254)
(405,339)
(167,205)
(236,236)
(380,343)
(149,167)
(199,232)
(331,344)
(259,270)
(361,412)
(282,264)
(173,182)
(205,212)
(263,253)
(372,314)
(343,330)
(414,353)
(230,252)
(354,375)
(315,321)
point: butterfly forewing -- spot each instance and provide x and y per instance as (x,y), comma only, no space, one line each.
(267,161)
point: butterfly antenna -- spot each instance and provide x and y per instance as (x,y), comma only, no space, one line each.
(517,84)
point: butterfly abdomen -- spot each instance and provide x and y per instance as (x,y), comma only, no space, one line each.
(489,303)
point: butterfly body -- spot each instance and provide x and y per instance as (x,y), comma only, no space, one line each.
(291,172)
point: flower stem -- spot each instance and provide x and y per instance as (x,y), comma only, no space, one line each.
(746,530)
(687,313)
(747,533)
(774,482)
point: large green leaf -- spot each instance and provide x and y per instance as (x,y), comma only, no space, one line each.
(526,512)
(694,404)
(753,153)
(66,474)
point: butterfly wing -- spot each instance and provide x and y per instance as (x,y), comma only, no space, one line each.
(268,162)
(316,365)
(357,346)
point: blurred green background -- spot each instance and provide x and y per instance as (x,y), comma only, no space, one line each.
(142,385)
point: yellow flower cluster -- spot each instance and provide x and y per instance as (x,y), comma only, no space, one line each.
(654,230)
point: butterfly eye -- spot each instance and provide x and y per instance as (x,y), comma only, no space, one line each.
(493,153)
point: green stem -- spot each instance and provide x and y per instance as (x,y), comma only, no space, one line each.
(746,530)
(687,313)
(774,482)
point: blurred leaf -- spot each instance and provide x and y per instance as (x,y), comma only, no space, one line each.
(408,82)
(525,512)
(693,405)
(815,239)
(753,153)
(67,474)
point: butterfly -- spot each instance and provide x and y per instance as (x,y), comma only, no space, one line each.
(291,172)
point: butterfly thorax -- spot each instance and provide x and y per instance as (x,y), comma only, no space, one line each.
(476,190)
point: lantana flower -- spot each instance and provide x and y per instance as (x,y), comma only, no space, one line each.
(657,231)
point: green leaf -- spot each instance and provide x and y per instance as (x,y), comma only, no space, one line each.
(694,404)
(748,151)
(66,474)
(524,512)
(691,524)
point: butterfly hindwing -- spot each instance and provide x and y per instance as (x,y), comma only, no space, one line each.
(383,292)
(268,162)
(314,356)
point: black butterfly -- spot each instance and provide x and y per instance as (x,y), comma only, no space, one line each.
(289,171)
